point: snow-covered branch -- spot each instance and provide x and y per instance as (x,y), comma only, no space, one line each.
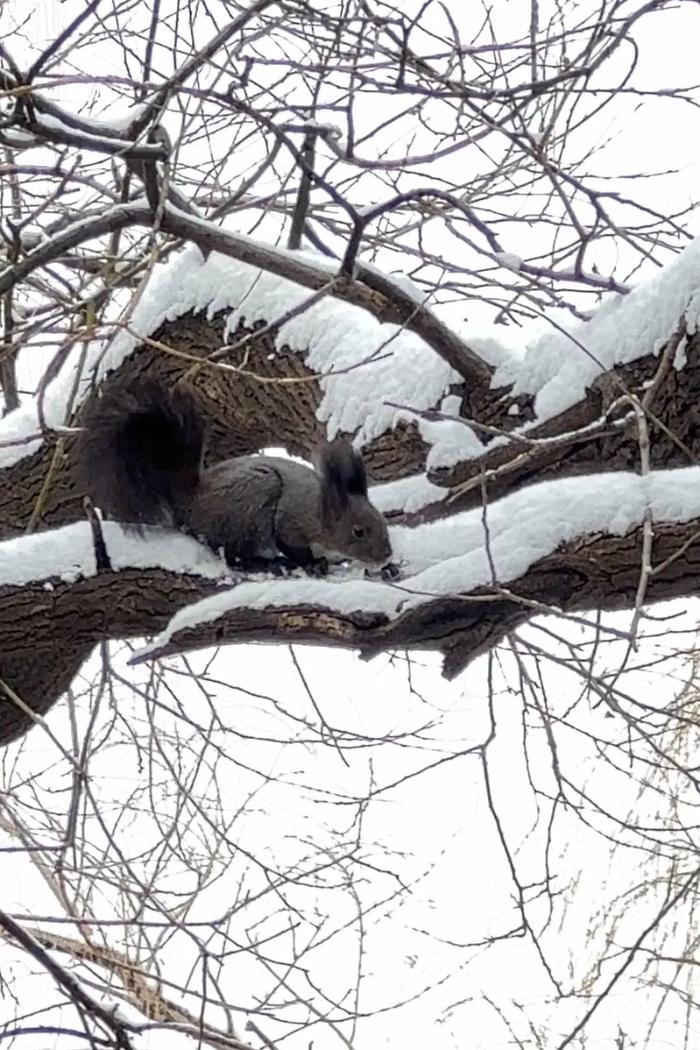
(562,547)
(538,492)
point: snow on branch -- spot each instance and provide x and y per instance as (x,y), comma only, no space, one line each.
(532,514)
(562,547)
(260,283)
(55,605)
(365,368)
(362,363)
(475,553)
(561,364)
(66,554)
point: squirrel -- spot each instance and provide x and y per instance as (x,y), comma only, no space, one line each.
(140,458)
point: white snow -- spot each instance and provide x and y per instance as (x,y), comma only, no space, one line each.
(19,431)
(123,1013)
(97,130)
(330,130)
(494,351)
(31,236)
(119,117)
(67,553)
(509,260)
(559,366)
(365,365)
(18,139)
(402,282)
(681,356)
(406,494)
(451,557)
(449,442)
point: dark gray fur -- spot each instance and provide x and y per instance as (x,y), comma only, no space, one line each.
(140,460)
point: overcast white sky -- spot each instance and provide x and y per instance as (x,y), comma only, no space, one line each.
(433,831)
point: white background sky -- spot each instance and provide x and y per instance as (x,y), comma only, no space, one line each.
(432,831)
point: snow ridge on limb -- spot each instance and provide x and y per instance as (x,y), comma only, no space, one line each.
(366,369)
(458,554)
(462,586)
(274,294)
(472,554)
(555,547)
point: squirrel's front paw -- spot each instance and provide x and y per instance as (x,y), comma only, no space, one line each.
(390,572)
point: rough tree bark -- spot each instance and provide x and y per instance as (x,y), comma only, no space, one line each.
(48,627)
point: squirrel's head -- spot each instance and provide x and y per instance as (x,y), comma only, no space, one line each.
(351,525)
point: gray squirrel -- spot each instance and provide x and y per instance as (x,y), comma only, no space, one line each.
(140,458)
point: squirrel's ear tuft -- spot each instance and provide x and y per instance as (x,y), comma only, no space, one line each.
(341,468)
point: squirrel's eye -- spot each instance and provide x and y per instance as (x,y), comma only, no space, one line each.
(358,532)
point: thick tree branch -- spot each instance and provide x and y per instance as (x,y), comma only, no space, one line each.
(49,630)
(592,572)
(273,400)
(256,394)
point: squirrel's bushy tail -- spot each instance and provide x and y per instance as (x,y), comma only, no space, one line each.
(140,453)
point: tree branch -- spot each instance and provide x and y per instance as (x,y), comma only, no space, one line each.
(379,296)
